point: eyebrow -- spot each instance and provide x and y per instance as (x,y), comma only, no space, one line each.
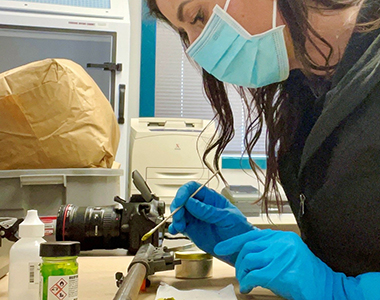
(180,10)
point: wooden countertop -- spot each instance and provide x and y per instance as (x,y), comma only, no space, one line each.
(97,279)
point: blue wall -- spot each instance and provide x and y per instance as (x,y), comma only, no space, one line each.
(148,64)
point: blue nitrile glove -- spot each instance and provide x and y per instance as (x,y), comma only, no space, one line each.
(207,219)
(282,262)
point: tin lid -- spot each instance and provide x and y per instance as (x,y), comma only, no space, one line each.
(194,255)
(59,249)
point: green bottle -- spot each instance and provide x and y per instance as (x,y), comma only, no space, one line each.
(59,270)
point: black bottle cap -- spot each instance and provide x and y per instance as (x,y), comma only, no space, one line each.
(59,249)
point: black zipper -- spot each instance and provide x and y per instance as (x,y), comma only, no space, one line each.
(302,204)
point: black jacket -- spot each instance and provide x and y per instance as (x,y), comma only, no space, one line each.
(334,160)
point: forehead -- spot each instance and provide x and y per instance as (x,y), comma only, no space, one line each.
(171,8)
(167,7)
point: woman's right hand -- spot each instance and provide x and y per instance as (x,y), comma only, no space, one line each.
(207,219)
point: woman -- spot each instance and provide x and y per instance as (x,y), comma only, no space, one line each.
(311,71)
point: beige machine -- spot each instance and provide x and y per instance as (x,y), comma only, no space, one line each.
(168,153)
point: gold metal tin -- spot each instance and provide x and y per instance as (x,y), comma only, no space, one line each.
(194,264)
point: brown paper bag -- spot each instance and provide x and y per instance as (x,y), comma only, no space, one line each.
(53,115)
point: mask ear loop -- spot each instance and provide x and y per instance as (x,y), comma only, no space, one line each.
(226,5)
(274,17)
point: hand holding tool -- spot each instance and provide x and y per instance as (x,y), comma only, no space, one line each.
(150,232)
(207,218)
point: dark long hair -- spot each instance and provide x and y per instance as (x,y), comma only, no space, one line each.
(268,105)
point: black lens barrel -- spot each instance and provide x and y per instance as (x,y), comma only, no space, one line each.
(94,227)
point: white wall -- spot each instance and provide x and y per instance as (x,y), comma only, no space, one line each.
(135,50)
(132,107)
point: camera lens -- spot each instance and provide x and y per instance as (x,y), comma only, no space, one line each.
(93,226)
(111,227)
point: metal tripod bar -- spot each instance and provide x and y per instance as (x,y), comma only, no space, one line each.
(130,288)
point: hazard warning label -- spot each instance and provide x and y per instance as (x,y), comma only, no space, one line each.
(63,287)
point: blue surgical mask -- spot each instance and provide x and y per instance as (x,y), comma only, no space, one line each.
(228,52)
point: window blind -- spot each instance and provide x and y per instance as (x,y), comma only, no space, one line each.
(179,89)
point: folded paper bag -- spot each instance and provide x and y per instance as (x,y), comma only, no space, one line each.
(53,115)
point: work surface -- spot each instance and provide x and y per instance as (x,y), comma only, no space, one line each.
(97,279)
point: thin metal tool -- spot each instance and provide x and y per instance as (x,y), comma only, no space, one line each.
(150,232)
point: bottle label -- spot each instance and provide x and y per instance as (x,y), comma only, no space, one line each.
(63,287)
(34,275)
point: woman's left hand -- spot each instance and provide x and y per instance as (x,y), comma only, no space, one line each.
(282,262)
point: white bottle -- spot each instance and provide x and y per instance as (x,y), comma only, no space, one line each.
(24,259)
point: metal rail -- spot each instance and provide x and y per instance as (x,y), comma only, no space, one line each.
(129,289)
